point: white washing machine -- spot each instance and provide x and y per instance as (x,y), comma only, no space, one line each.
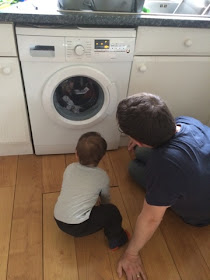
(74,79)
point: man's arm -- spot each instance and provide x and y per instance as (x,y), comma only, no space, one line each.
(146,224)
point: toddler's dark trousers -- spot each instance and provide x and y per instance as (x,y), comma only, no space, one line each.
(106,216)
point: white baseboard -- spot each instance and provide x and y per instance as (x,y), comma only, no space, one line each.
(16,149)
(124,141)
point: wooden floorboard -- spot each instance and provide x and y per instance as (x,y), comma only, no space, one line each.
(92,257)
(29,186)
(155,255)
(8,171)
(25,254)
(53,167)
(29,170)
(59,255)
(186,254)
(116,199)
(6,207)
(201,236)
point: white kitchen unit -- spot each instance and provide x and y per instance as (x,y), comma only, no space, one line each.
(175,64)
(87,67)
(14,128)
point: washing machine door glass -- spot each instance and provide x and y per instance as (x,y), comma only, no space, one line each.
(78,98)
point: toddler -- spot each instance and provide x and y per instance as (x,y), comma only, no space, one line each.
(76,211)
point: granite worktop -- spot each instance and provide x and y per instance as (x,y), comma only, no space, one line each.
(46,12)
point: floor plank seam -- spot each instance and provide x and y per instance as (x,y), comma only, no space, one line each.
(44,192)
(110,160)
(208,264)
(13,206)
(42,236)
(170,252)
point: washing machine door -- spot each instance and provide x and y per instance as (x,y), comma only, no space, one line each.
(79,97)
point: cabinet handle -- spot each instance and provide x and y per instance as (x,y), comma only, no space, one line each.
(188,43)
(142,68)
(6,70)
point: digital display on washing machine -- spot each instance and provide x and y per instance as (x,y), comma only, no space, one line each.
(102,44)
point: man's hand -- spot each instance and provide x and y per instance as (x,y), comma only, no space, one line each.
(131,145)
(132,266)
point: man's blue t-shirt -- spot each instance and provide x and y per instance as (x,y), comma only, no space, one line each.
(178,173)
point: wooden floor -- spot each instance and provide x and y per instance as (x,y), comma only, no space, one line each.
(33,248)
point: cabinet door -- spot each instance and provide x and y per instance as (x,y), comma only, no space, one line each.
(13,115)
(183,82)
(8,45)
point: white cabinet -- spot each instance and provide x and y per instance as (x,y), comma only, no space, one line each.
(175,64)
(14,128)
(8,46)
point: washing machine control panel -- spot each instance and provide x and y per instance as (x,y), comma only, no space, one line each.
(99,49)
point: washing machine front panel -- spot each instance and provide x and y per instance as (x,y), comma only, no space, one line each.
(79,97)
(53,62)
(49,136)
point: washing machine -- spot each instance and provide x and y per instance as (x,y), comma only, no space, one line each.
(74,79)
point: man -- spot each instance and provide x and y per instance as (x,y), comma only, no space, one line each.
(172,164)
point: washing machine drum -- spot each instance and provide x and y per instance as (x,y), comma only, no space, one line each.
(79,99)
(78,94)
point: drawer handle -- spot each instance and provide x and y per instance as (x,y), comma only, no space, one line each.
(6,70)
(188,43)
(142,68)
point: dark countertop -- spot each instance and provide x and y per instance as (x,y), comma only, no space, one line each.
(27,14)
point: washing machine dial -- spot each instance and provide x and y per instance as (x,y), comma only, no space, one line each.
(79,50)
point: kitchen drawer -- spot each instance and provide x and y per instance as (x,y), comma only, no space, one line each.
(172,41)
(8,45)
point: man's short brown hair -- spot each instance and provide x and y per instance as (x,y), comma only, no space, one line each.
(91,147)
(146,118)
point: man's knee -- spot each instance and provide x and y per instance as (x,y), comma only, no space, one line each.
(131,167)
(136,170)
(135,167)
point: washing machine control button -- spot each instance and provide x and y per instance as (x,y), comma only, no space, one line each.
(79,50)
